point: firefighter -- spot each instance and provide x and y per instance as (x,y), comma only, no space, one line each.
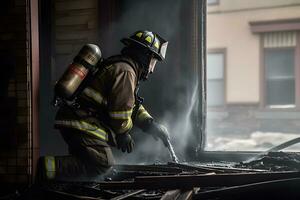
(109,108)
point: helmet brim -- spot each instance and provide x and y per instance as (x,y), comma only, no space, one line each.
(128,41)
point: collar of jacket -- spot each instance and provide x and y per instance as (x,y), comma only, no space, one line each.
(134,64)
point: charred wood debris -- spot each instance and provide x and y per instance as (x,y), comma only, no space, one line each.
(275,175)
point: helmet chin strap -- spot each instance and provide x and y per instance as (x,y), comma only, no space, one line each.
(145,73)
(145,68)
(144,77)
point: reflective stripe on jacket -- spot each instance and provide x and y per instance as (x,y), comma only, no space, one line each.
(91,129)
(50,168)
(142,114)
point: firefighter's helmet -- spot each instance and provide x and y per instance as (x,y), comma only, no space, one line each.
(149,40)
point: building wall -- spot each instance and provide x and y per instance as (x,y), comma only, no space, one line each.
(224,6)
(244,111)
(231,30)
(75,25)
(15,160)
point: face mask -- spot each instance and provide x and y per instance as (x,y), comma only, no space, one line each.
(152,65)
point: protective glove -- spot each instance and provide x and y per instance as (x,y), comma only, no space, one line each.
(125,142)
(159,131)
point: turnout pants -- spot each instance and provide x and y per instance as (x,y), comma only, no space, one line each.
(89,157)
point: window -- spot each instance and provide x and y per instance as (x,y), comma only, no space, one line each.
(280,77)
(279,65)
(215,79)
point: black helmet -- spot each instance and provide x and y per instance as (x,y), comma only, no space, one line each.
(149,40)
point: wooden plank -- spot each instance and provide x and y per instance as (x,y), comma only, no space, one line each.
(74,35)
(232,169)
(71,28)
(267,188)
(64,48)
(64,195)
(130,194)
(151,168)
(186,195)
(191,181)
(170,195)
(74,20)
(79,12)
(195,168)
(75,4)
(73,42)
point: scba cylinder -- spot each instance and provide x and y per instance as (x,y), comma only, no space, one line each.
(84,63)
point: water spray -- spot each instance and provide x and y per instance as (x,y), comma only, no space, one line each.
(172,152)
(184,125)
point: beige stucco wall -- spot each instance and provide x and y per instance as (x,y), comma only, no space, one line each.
(231,30)
(238,5)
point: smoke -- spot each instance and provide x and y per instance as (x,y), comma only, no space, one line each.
(141,15)
(180,126)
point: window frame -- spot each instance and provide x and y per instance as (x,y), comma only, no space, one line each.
(266,80)
(263,81)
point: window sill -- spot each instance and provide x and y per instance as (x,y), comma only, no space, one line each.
(230,156)
(277,113)
(226,156)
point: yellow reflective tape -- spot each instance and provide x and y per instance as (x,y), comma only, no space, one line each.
(148,39)
(93,94)
(50,167)
(84,126)
(139,34)
(156,44)
(50,163)
(120,114)
(144,115)
(141,109)
(97,132)
(120,117)
(126,125)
